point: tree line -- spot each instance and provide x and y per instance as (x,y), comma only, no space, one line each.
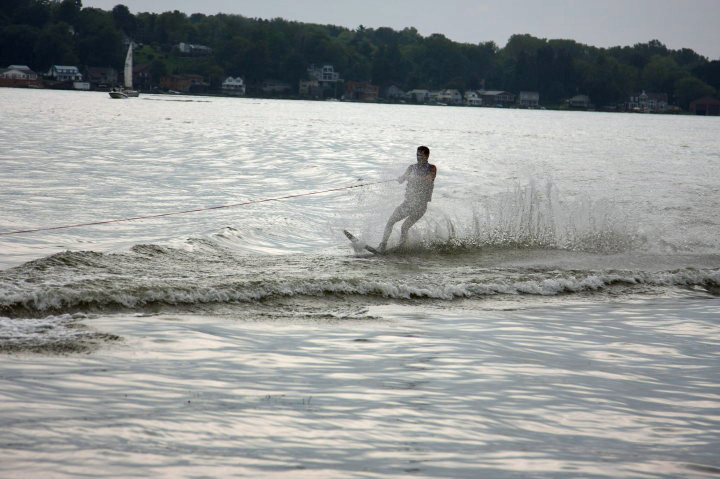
(40,33)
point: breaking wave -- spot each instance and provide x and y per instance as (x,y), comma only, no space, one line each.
(151,278)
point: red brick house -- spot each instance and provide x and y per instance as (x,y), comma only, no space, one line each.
(706,106)
(182,82)
(361,91)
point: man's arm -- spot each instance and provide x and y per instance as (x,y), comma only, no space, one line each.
(432,172)
(405,175)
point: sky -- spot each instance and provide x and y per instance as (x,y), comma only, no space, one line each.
(678,24)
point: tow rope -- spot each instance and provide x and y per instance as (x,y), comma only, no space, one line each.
(196,210)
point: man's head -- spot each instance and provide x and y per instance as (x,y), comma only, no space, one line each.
(423,153)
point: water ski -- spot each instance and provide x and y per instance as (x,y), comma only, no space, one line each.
(356,241)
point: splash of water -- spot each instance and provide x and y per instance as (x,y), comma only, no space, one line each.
(536,216)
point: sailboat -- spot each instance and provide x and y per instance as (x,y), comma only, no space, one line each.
(127,90)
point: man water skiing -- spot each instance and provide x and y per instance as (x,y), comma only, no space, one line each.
(420,179)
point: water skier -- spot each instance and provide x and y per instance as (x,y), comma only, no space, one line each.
(420,179)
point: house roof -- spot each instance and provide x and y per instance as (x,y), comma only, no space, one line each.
(18,68)
(706,100)
(493,92)
(64,68)
(653,96)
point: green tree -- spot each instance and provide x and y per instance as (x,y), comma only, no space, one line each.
(68,11)
(17,44)
(439,62)
(606,80)
(158,69)
(660,74)
(55,46)
(172,28)
(103,47)
(231,56)
(99,43)
(523,43)
(709,72)
(524,75)
(482,61)
(689,89)
(124,20)
(145,28)
(30,12)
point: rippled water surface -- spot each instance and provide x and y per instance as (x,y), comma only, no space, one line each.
(555,313)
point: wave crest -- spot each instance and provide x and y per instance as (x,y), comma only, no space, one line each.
(102,295)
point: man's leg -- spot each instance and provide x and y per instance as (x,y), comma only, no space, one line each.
(415,214)
(398,214)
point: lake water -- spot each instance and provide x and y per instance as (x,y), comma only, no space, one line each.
(554,314)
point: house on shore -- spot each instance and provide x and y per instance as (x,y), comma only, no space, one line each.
(707,106)
(472,98)
(361,91)
(63,73)
(319,81)
(579,102)
(393,93)
(310,89)
(66,77)
(528,99)
(325,74)
(418,96)
(648,102)
(18,72)
(19,76)
(499,98)
(101,77)
(449,97)
(185,83)
(193,50)
(233,86)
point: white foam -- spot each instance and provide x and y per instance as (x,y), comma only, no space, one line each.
(42,299)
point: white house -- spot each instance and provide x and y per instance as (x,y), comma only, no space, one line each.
(433,95)
(64,73)
(529,99)
(191,49)
(472,98)
(234,86)
(418,96)
(395,93)
(579,101)
(648,102)
(449,97)
(18,72)
(324,74)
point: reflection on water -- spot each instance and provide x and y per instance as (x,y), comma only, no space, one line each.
(574,391)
